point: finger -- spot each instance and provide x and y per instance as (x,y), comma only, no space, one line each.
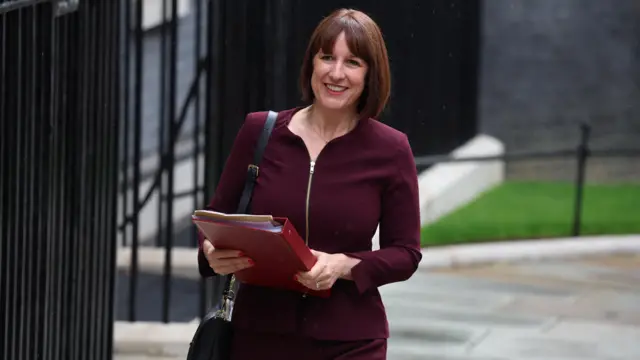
(303,278)
(233,264)
(208,250)
(316,271)
(207,247)
(225,254)
(312,283)
(229,269)
(324,277)
(325,284)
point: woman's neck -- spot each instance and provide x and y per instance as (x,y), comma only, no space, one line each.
(330,124)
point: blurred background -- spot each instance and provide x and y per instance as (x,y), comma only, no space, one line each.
(116,118)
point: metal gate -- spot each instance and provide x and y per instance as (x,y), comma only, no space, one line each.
(58,159)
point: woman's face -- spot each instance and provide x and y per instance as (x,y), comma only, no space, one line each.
(338,78)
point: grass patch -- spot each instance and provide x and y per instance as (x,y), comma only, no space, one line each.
(528,210)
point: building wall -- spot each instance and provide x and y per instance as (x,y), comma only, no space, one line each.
(547,65)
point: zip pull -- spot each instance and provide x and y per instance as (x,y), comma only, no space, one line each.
(313,165)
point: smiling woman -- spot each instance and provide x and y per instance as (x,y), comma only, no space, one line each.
(336,173)
(338,77)
(348,46)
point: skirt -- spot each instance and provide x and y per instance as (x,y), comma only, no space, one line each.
(249,345)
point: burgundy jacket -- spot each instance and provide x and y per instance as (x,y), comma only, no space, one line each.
(362,178)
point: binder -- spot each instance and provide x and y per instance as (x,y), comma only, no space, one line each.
(272,242)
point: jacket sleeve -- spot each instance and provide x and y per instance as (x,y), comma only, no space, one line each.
(399,253)
(229,188)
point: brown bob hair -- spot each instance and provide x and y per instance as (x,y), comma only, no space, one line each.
(365,41)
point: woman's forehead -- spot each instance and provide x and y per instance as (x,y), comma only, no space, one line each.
(348,42)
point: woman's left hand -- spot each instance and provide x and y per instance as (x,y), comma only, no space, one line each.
(328,269)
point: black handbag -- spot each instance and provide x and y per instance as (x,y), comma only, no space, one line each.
(212,339)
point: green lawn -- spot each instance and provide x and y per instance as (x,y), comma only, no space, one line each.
(527,210)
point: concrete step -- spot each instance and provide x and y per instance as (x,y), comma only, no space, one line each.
(143,357)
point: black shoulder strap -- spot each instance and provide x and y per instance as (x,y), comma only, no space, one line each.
(254,169)
(223,285)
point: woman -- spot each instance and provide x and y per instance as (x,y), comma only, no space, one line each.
(336,173)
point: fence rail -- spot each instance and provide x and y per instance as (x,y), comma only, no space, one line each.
(582,152)
(58,158)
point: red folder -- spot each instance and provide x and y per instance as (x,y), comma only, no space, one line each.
(278,255)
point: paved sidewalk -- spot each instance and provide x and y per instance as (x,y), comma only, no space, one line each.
(585,308)
(551,310)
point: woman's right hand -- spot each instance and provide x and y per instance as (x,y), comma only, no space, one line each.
(225,262)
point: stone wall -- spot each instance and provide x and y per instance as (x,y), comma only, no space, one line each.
(546,66)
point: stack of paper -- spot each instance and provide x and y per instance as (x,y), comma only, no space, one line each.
(260,222)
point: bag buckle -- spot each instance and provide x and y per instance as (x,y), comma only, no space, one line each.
(255,169)
(225,311)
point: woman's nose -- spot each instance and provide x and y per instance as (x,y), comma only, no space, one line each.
(337,71)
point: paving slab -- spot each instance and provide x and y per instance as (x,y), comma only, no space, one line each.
(399,349)
(594,331)
(581,274)
(615,300)
(481,280)
(470,317)
(594,308)
(557,345)
(560,281)
(151,339)
(622,261)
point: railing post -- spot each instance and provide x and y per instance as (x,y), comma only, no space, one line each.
(137,145)
(582,154)
(173,135)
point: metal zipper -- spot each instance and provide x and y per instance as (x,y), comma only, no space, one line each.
(311,170)
(306,214)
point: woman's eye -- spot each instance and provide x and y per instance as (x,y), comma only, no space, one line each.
(353,62)
(326,57)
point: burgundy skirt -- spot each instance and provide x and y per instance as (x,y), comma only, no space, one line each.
(253,346)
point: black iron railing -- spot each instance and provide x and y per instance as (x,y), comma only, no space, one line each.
(58,159)
(171,109)
(581,153)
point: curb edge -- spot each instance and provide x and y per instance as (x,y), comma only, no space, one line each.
(527,250)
